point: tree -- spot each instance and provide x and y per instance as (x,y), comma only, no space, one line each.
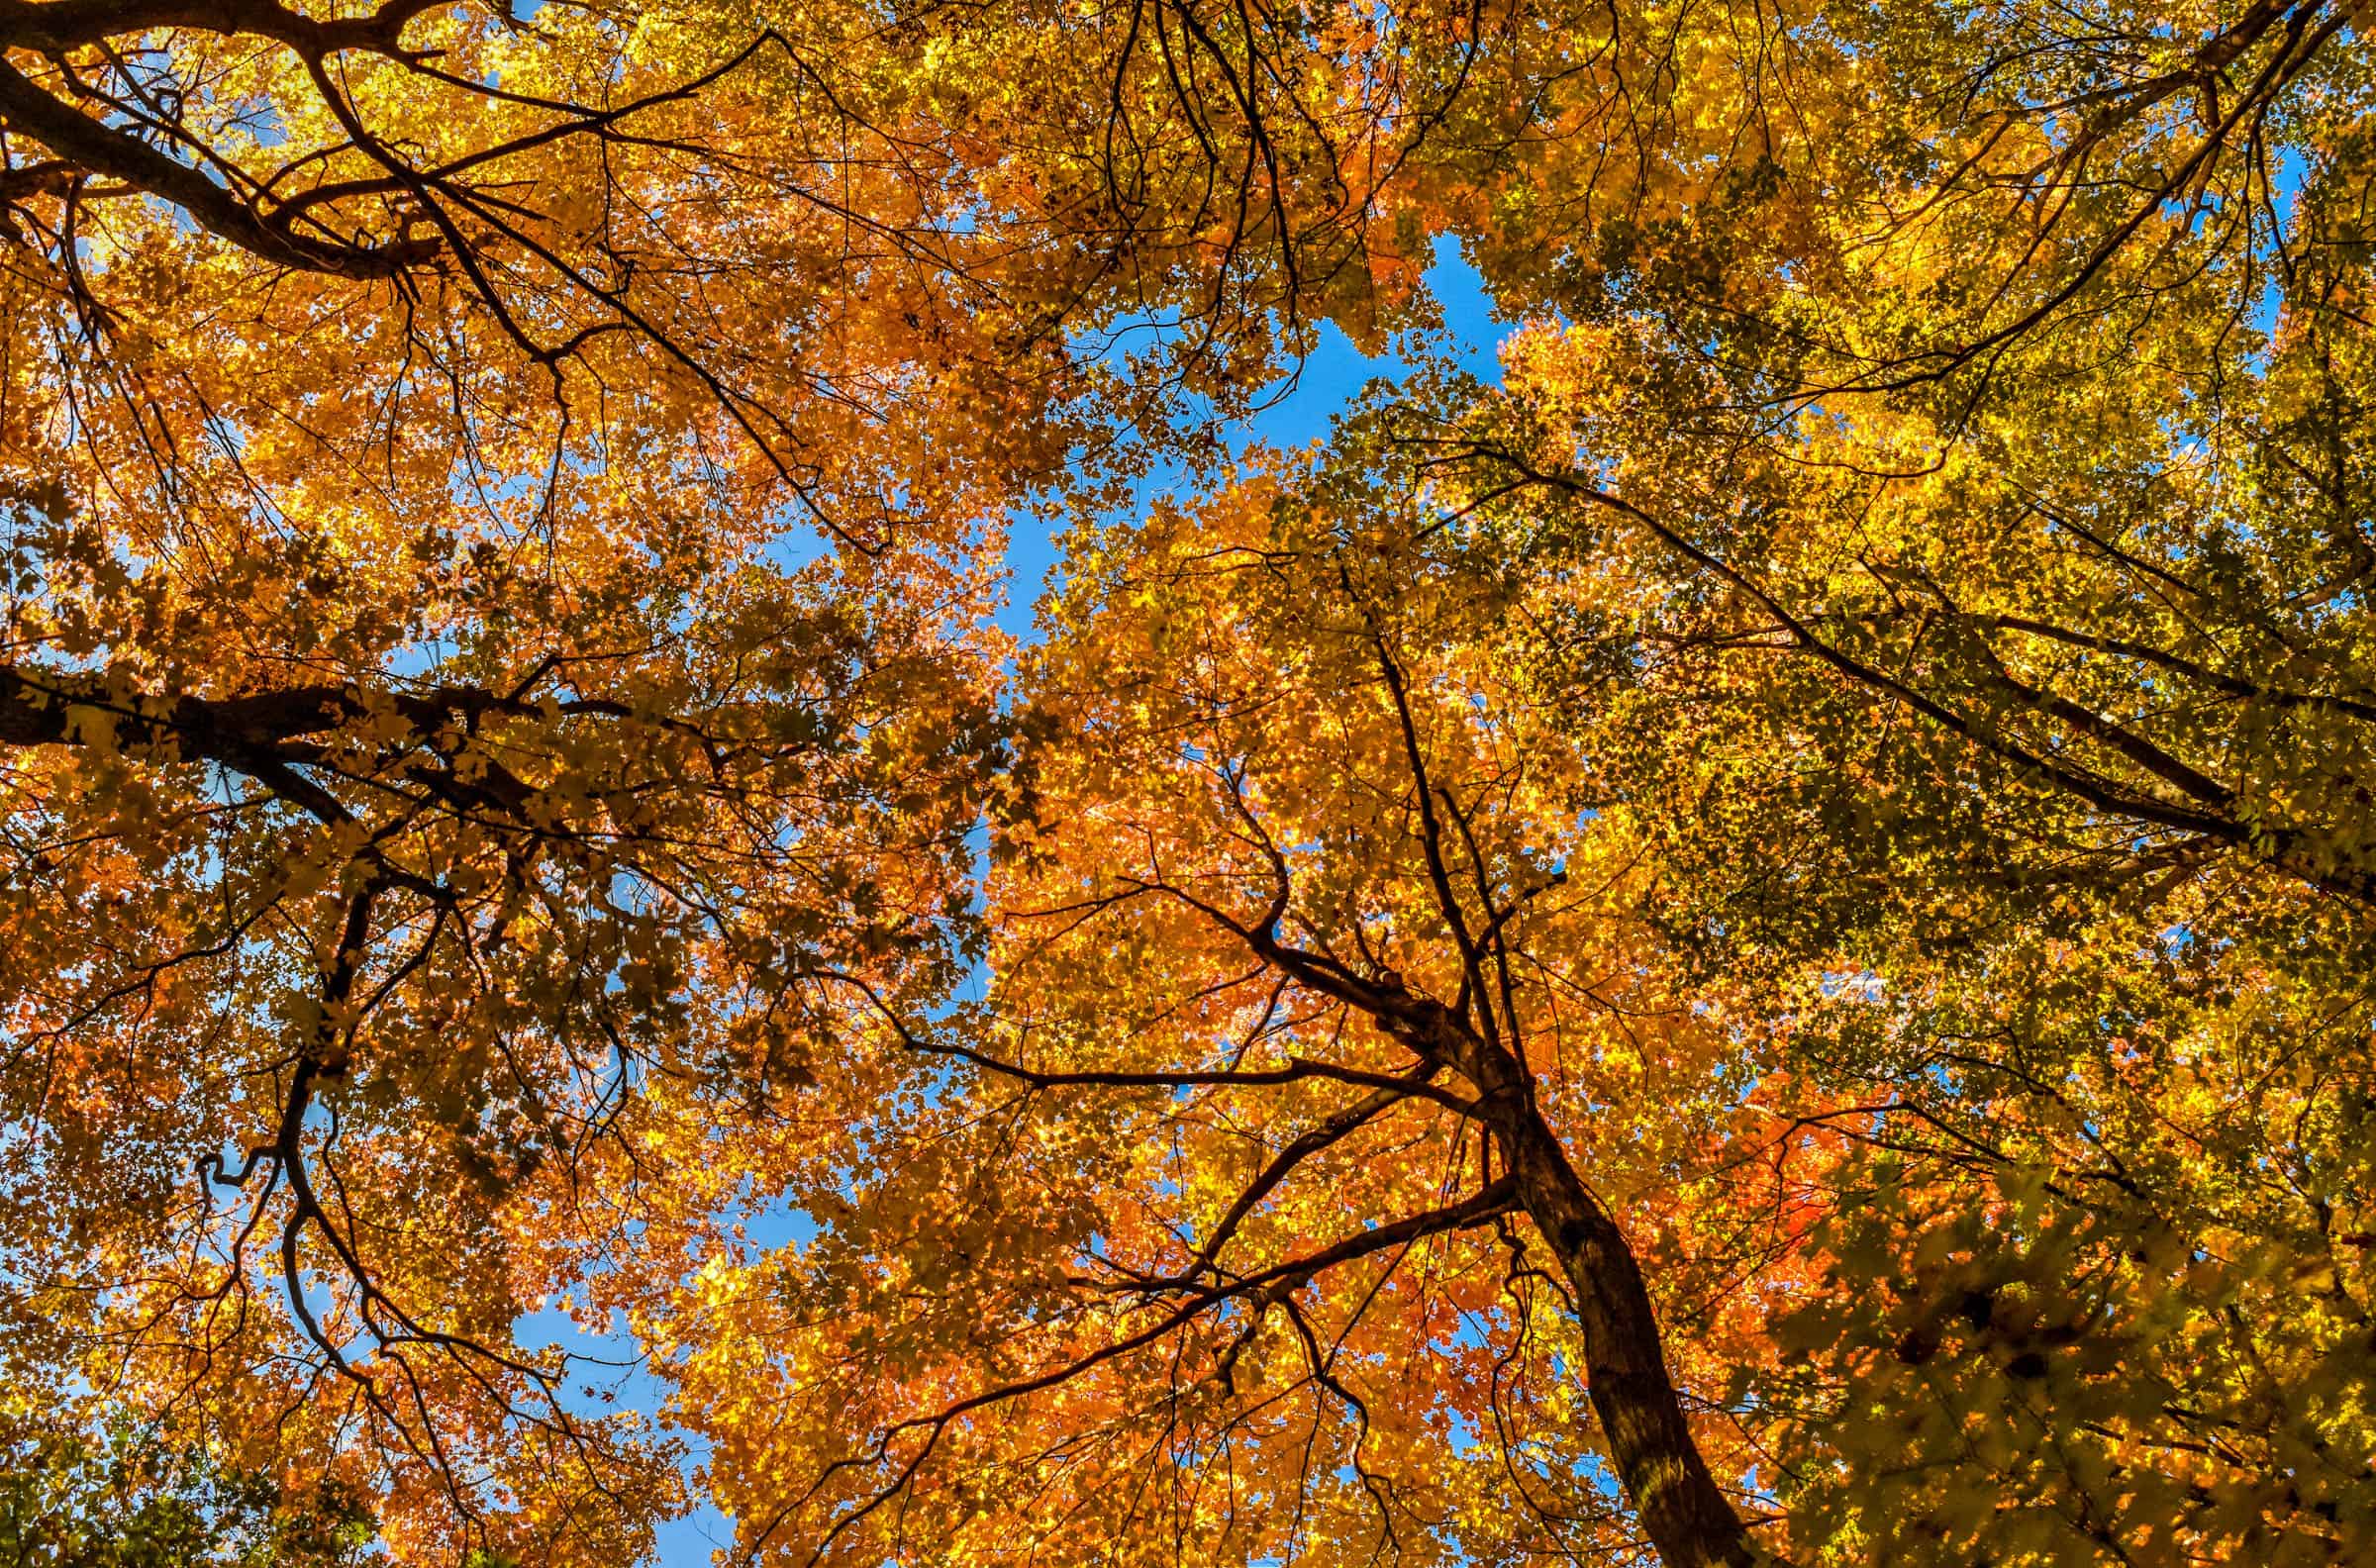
(131,1501)
(1747,945)
(1924,579)
(497,518)
(1245,1228)
(1416,997)
(501,509)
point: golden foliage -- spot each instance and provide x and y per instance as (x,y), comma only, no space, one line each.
(1749,945)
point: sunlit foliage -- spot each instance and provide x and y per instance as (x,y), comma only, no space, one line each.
(1747,945)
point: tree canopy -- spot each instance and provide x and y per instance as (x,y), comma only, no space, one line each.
(1746,946)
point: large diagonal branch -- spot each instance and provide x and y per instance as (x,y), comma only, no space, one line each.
(260,735)
(56,27)
(2286,850)
(2299,45)
(1330,1132)
(100,149)
(2219,680)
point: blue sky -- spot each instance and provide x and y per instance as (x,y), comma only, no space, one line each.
(1299,408)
